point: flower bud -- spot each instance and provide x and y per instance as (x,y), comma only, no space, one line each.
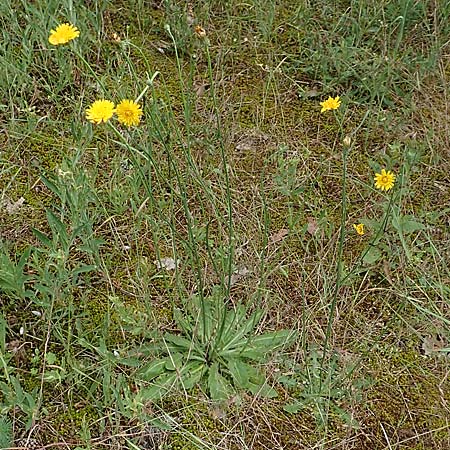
(347,141)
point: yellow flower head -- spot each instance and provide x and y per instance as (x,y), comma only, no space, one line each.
(100,111)
(63,34)
(359,228)
(129,113)
(384,180)
(331,103)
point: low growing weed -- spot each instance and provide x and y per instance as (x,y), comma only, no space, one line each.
(218,348)
(161,262)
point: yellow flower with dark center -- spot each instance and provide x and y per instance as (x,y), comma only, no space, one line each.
(63,34)
(359,228)
(100,111)
(384,180)
(129,113)
(331,103)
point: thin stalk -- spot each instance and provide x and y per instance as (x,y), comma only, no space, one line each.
(187,116)
(375,239)
(91,70)
(229,268)
(225,172)
(339,256)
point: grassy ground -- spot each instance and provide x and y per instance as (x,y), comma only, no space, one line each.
(236,177)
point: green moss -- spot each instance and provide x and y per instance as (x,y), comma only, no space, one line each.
(96,311)
(27,156)
(406,394)
(195,419)
(68,423)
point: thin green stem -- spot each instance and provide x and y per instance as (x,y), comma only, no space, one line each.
(193,243)
(91,70)
(375,239)
(339,256)
(230,255)
(225,173)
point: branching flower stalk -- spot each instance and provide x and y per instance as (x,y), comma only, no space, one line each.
(227,185)
(385,185)
(375,239)
(187,116)
(187,109)
(345,152)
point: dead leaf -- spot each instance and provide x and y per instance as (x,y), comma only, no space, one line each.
(161,46)
(312,226)
(252,140)
(13,207)
(279,236)
(310,93)
(17,348)
(433,345)
(238,274)
(166,263)
(190,16)
(200,88)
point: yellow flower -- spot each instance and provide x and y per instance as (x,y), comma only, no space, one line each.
(129,113)
(100,111)
(331,103)
(359,228)
(63,34)
(384,180)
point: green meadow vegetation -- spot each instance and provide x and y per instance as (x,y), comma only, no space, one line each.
(252,252)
